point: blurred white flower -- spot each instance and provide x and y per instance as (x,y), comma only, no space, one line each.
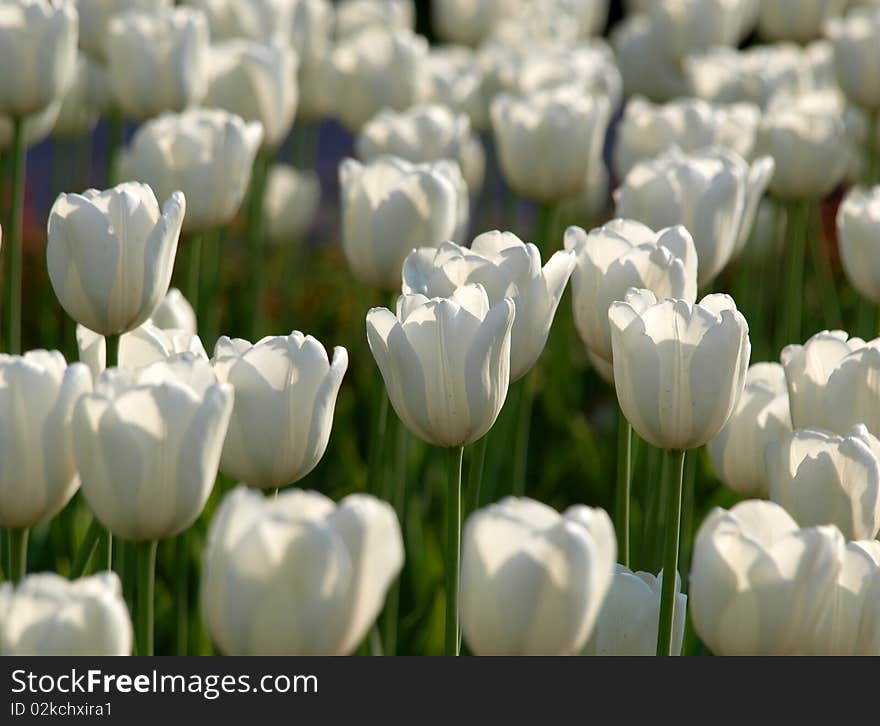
(468,21)
(355,16)
(36,126)
(796,20)
(858,229)
(95,17)
(684,27)
(453,78)
(85,100)
(856,62)
(175,313)
(259,20)
(290,203)
(645,68)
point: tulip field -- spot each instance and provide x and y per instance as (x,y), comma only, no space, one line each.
(461,327)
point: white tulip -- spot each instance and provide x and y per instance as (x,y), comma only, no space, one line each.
(679,368)
(856,65)
(311,30)
(158,62)
(796,20)
(821,478)
(761,417)
(285,395)
(259,20)
(175,313)
(759,585)
(110,254)
(37,127)
(38,392)
(85,100)
(445,362)
(852,393)
(590,202)
(297,574)
(355,16)
(391,206)
(807,370)
(685,27)
(453,78)
(38,52)
(95,17)
(207,153)
(374,69)
(858,229)
(623,254)
(533,580)
(630,614)
(506,267)
(148,444)
(48,615)
(645,67)
(256,82)
(290,203)
(713,192)
(648,129)
(467,21)
(423,134)
(548,141)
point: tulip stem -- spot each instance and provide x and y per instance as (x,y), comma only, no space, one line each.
(256,252)
(795,243)
(398,501)
(181,592)
(523,426)
(377,442)
(453,547)
(86,549)
(194,261)
(115,142)
(873,153)
(670,555)
(13,283)
(475,470)
(16,553)
(822,267)
(622,492)
(146,584)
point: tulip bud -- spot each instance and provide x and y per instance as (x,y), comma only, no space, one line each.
(424,134)
(759,585)
(290,203)
(505,267)
(856,65)
(257,82)
(679,368)
(208,154)
(630,614)
(391,206)
(532,580)
(38,51)
(761,417)
(445,362)
(110,254)
(148,443)
(48,615)
(95,17)
(807,370)
(175,313)
(297,574)
(285,395)
(38,392)
(858,227)
(158,62)
(821,478)
(374,69)
(713,192)
(617,256)
(548,141)
(691,124)
(355,16)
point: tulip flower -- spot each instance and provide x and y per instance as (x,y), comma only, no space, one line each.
(856,66)
(297,574)
(258,20)
(206,153)
(256,82)
(858,226)
(38,476)
(355,16)
(95,17)
(48,615)
(852,393)
(37,127)
(712,192)
(645,66)
(311,31)
(110,254)
(84,101)
(761,417)
(807,370)
(532,580)
(685,27)
(424,134)
(453,78)
(157,61)
(796,20)
(590,202)
(547,142)
(290,203)
(627,622)
(506,267)
(691,124)
(390,206)
(467,22)
(285,395)
(821,478)
(617,256)
(374,69)
(175,313)
(759,585)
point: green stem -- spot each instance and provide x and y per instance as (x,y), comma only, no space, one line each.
(86,549)
(377,442)
(115,142)
(872,173)
(194,261)
(209,306)
(795,242)
(670,555)
(112,343)
(13,241)
(181,592)
(822,268)
(146,583)
(453,546)
(475,470)
(398,501)
(622,492)
(545,228)
(256,250)
(523,426)
(16,553)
